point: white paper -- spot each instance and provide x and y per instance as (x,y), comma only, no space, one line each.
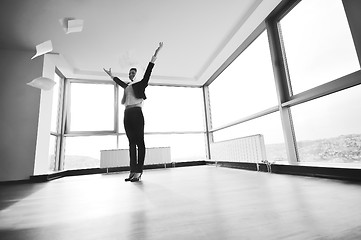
(75,25)
(42,83)
(43,48)
(128,60)
(71,25)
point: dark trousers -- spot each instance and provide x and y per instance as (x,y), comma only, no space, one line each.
(134,128)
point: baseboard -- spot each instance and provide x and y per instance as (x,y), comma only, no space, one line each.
(79,172)
(349,174)
(14,182)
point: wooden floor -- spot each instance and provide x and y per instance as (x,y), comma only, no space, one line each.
(203,202)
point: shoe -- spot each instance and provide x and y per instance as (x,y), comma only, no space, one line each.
(131,175)
(136,177)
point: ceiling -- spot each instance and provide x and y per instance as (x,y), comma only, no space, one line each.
(198,35)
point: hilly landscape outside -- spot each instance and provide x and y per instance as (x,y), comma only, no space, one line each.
(341,149)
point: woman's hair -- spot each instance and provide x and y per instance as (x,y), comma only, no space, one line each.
(133,69)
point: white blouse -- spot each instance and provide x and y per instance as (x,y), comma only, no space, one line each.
(129,97)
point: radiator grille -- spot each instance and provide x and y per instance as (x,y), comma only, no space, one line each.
(245,149)
(120,157)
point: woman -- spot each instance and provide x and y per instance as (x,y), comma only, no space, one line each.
(134,95)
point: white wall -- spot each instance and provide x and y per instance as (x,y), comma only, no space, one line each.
(19,111)
(44,123)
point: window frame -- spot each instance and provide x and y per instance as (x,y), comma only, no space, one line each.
(67,131)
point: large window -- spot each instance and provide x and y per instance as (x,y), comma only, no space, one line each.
(269,126)
(319,50)
(245,87)
(184,147)
(328,129)
(174,109)
(90,111)
(318,43)
(91,107)
(177,112)
(170,109)
(84,152)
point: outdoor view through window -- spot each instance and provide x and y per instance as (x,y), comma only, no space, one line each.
(319,48)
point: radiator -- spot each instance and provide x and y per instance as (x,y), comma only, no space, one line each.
(120,157)
(245,149)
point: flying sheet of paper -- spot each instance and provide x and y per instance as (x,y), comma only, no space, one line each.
(128,60)
(43,48)
(42,83)
(71,25)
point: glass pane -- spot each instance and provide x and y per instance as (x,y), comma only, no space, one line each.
(184,147)
(91,107)
(269,126)
(247,86)
(84,152)
(55,105)
(318,43)
(328,129)
(170,109)
(121,111)
(123,142)
(52,153)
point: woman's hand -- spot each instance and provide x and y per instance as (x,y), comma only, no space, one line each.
(154,57)
(160,47)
